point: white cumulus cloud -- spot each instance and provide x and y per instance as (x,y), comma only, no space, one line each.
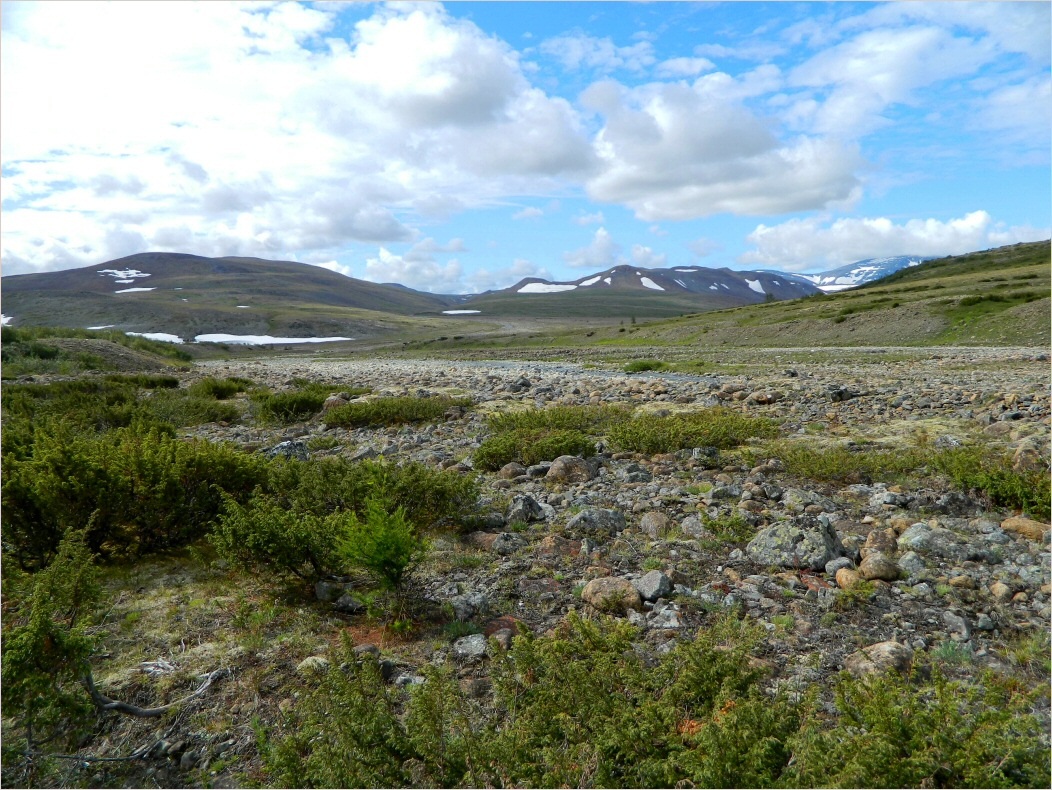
(814,243)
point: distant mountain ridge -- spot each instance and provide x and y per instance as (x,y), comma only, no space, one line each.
(860,272)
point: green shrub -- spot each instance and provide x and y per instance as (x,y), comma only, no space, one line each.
(288,407)
(181,408)
(141,490)
(531,447)
(392,411)
(719,428)
(587,419)
(584,708)
(838,463)
(45,652)
(144,380)
(990,473)
(891,733)
(430,497)
(219,389)
(642,365)
(265,535)
(383,543)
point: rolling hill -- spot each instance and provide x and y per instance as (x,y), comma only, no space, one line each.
(187,295)
(628,291)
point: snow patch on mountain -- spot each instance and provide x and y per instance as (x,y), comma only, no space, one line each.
(546,288)
(755,286)
(592,280)
(133,290)
(648,283)
(123,275)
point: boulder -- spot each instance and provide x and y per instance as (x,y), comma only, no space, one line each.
(654,524)
(598,521)
(877,565)
(806,543)
(1027,527)
(653,585)
(470,648)
(570,469)
(612,595)
(523,510)
(879,658)
(511,470)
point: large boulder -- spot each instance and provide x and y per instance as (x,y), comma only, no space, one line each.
(879,658)
(653,585)
(523,510)
(598,521)
(804,543)
(612,595)
(570,469)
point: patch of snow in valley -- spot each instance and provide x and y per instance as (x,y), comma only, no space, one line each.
(686,270)
(648,283)
(460,312)
(164,337)
(244,306)
(545,288)
(5,320)
(591,280)
(263,340)
(776,282)
(606,280)
(124,282)
(724,285)
(133,290)
(124,274)
(755,286)
(713,288)
(104,326)
(680,282)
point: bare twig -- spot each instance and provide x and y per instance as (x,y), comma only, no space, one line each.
(105,703)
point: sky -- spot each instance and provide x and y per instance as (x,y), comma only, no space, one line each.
(460,147)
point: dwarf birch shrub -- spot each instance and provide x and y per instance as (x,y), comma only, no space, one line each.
(392,411)
(720,428)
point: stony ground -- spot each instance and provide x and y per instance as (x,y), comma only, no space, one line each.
(627,533)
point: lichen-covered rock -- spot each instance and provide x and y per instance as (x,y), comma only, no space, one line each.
(877,565)
(523,510)
(805,543)
(653,585)
(930,540)
(879,658)
(597,520)
(612,595)
(570,469)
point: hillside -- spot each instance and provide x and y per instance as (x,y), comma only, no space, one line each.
(997,297)
(188,295)
(624,292)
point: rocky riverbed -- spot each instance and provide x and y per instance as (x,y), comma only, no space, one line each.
(626,532)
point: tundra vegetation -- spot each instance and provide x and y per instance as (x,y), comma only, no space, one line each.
(149,526)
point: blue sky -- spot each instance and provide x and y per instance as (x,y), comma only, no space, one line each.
(460,147)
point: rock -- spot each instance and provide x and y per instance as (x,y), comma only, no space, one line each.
(328,591)
(878,566)
(367,650)
(348,604)
(470,648)
(654,524)
(959,627)
(1027,527)
(524,509)
(911,563)
(612,595)
(598,521)
(807,543)
(467,605)
(1001,591)
(653,585)
(508,543)
(1027,457)
(570,469)
(765,397)
(692,526)
(879,540)
(835,565)
(295,450)
(879,658)
(511,471)
(926,540)
(333,401)
(846,578)
(189,759)
(365,453)
(312,664)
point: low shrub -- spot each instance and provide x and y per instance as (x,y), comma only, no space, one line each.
(219,389)
(990,473)
(584,708)
(841,464)
(181,408)
(141,489)
(288,407)
(720,428)
(384,543)
(643,365)
(531,447)
(586,419)
(392,411)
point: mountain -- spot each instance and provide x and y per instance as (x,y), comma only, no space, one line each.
(188,295)
(636,291)
(859,272)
